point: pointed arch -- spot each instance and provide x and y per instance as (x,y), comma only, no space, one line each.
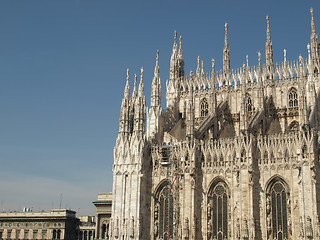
(163,214)
(278,209)
(218,209)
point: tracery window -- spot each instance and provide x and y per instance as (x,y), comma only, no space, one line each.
(204,108)
(162,213)
(293,98)
(278,210)
(218,211)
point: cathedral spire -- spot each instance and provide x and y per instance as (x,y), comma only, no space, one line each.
(134,93)
(127,88)
(174,48)
(156,68)
(180,61)
(156,85)
(314,38)
(124,123)
(269,50)
(180,48)
(141,85)
(226,53)
(213,74)
(198,68)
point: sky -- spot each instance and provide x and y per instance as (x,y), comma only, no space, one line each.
(63,71)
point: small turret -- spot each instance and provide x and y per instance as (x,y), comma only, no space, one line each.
(155,110)
(156,85)
(173,59)
(139,110)
(124,123)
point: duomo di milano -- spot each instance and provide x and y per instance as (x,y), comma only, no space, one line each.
(235,154)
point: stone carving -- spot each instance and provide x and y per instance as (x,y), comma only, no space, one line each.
(309,229)
(238,235)
(301,230)
(132,227)
(245,230)
(116,228)
(268,205)
(253,231)
(156,210)
(156,228)
(186,228)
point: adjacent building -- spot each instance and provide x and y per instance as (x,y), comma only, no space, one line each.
(103,216)
(87,228)
(56,224)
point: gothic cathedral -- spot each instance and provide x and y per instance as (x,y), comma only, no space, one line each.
(234,155)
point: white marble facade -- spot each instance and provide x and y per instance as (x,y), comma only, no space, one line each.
(235,154)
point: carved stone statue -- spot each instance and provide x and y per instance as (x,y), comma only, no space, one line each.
(132,227)
(186,228)
(309,229)
(116,228)
(301,230)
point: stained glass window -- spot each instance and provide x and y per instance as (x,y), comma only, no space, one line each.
(218,212)
(277,197)
(164,213)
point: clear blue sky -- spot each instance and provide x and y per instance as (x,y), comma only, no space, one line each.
(63,70)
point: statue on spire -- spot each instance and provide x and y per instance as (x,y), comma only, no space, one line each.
(314,39)
(269,51)
(226,54)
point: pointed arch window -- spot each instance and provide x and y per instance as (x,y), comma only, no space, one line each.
(204,107)
(218,211)
(163,213)
(293,98)
(278,210)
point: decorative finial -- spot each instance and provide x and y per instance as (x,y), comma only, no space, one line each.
(268,29)
(259,58)
(141,73)
(180,47)
(247,57)
(284,55)
(226,36)
(313,27)
(300,60)
(175,36)
(157,56)
(309,55)
(202,66)
(128,74)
